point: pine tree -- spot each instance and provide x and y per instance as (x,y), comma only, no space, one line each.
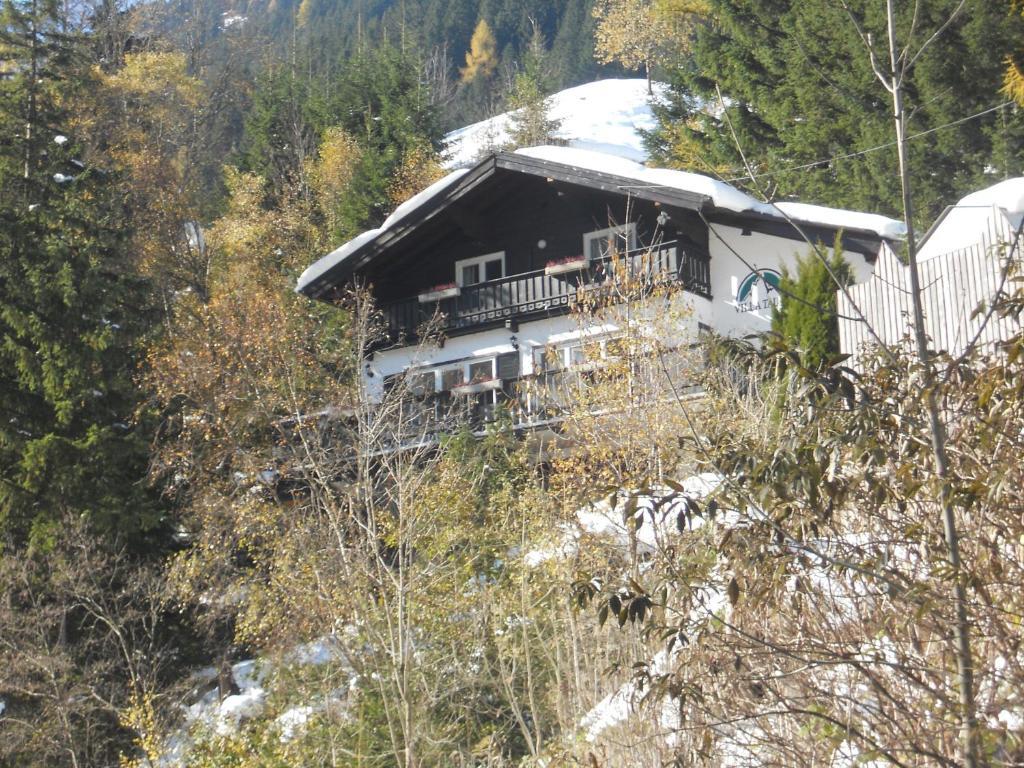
(69,307)
(803,105)
(382,104)
(531,124)
(806,317)
(482,57)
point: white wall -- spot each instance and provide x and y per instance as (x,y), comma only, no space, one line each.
(733,256)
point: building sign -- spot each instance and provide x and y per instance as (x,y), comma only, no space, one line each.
(758,291)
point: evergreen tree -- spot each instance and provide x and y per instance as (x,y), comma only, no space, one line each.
(69,307)
(531,125)
(383,104)
(283,126)
(807,110)
(806,317)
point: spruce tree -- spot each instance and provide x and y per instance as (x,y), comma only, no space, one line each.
(806,317)
(69,306)
(531,123)
(807,111)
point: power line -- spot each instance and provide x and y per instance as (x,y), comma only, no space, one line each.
(875,149)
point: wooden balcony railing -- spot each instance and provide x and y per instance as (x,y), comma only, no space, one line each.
(538,293)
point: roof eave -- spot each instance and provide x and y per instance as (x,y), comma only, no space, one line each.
(509,161)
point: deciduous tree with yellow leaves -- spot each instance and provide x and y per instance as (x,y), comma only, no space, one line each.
(482,57)
(640,34)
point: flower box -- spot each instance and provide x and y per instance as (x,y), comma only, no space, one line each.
(563,266)
(476,387)
(439,292)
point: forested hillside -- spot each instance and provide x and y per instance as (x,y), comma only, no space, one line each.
(211,553)
(319,36)
(792,91)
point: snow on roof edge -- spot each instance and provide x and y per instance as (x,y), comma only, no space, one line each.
(335,257)
(724,197)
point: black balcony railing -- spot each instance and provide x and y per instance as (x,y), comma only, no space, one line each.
(538,293)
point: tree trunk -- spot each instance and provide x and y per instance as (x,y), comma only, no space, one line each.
(961,627)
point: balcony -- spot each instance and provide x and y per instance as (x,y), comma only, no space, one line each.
(542,400)
(540,293)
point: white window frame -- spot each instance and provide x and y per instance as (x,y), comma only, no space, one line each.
(629,229)
(481,260)
(564,352)
(464,365)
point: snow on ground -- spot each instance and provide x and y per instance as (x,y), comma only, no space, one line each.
(605,116)
(620,706)
(606,520)
(224,716)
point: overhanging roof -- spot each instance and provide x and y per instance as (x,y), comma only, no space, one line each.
(715,200)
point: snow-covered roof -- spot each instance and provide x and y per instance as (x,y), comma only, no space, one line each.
(1008,195)
(338,255)
(606,116)
(724,196)
(629,176)
(992,214)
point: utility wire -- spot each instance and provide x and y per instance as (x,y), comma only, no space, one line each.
(874,149)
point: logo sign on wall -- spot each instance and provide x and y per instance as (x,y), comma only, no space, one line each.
(758,291)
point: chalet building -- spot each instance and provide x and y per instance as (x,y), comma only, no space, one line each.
(499,254)
(968,258)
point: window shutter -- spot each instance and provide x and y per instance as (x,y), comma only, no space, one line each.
(507,366)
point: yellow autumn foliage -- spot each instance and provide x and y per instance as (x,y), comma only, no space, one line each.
(1013,81)
(641,33)
(418,170)
(330,174)
(482,57)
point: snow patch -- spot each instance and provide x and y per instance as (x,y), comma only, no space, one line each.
(606,116)
(606,520)
(229,19)
(225,716)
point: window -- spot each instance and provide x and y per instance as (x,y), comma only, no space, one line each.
(435,385)
(575,354)
(604,242)
(480,269)
(481,371)
(451,378)
(422,385)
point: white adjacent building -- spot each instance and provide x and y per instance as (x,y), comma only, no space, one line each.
(966,260)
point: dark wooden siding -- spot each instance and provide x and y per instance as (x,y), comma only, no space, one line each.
(513,216)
